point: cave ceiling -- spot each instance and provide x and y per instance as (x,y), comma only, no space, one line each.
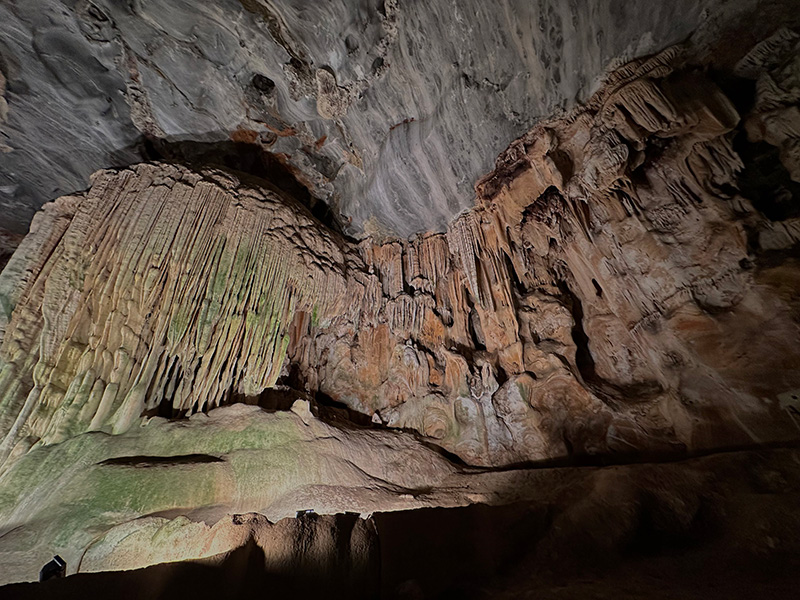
(386,112)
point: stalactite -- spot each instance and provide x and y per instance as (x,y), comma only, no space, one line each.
(162,285)
(581,307)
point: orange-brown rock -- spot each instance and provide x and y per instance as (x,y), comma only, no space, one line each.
(603,296)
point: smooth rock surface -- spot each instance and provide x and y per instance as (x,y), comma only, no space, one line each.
(388,112)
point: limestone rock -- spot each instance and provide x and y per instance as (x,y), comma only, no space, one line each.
(389,110)
(200,488)
(598,300)
(112,496)
(189,355)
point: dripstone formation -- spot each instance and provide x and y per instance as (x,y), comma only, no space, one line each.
(625,285)
(602,298)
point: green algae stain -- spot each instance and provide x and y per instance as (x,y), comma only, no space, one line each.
(314,317)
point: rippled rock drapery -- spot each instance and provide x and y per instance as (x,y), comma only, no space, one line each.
(155,284)
(604,297)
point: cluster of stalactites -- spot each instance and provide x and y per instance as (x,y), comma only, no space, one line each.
(160,287)
(538,317)
(592,233)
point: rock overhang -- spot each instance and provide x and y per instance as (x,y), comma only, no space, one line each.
(388,112)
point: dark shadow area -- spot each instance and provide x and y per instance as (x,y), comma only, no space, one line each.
(274,399)
(721,527)
(154,461)
(338,414)
(8,244)
(243,155)
(442,553)
(739,90)
(241,575)
(765,181)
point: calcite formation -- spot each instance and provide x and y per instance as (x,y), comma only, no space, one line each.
(125,501)
(155,287)
(378,104)
(605,296)
(774,65)
(625,285)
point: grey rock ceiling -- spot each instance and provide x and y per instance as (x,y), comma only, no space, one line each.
(388,111)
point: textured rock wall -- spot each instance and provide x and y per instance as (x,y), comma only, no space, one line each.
(625,284)
(102,507)
(608,295)
(775,121)
(103,501)
(377,105)
(155,284)
(185,490)
(8,243)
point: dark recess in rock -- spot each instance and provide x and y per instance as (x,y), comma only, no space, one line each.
(273,170)
(263,84)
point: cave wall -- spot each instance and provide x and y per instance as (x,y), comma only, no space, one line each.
(151,284)
(722,526)
(624,287)
(612,292)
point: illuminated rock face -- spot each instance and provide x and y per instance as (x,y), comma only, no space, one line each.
(623,285)
(602,298)
(388,111)
(155,284)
